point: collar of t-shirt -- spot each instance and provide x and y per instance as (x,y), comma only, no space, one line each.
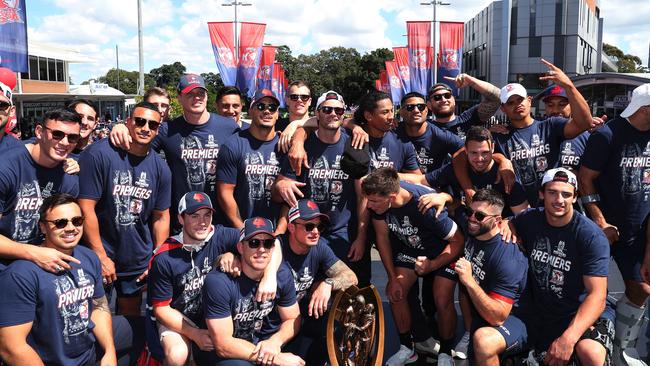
(194,247)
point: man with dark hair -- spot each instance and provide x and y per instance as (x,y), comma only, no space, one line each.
(88,113)
(298,101)
(56,318)
(160,98)
(228,103)
(568,256)
(28,175)
(125,198)
(493,277)
(411,244)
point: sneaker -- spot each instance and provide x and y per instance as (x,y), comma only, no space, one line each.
(429,347)
(445,360)
(405,356)
(627,357)
(460,351)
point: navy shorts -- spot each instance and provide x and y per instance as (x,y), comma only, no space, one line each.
(126,286)
(513,331)
(629,254)
(404,256)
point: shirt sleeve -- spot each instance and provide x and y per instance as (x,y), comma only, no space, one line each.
(164,196)
(511,275)
(161,290)
(595,253)
(517,194)
(451,142)
(327,257)
(91,172)
(216,296)
(228,162)
(7,190)
(442,177)
(286,287)
(19,296)
(597,150)
(443,226)
(410,157)
(97,275)
(285,168)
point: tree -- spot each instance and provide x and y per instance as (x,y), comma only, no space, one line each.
(213,82)
(166,75)
(625,62)
(128,80)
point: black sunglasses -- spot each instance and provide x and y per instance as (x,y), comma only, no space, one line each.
(310,226)
(411,107)
(327,110)
(478,215)
(266,243)
(4,106)
(438,97)
(302,97)
(271,107)
(73,138)
(62,223)
(140,122)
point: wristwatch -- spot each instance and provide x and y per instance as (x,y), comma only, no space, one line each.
(329,281)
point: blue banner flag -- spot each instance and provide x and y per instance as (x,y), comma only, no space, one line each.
(13,35)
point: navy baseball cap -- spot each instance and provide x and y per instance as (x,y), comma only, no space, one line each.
(194,201)
(263,93)
(436,87)
(190,82)
(355,162)
(552,91)
(254,226)
(306,209)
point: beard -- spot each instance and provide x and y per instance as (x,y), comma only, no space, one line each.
(482,229)
(443,114)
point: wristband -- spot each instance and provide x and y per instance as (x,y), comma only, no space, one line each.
(590,198)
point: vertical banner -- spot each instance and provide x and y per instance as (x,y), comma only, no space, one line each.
(264,75)
(402,59)
(277,84)
(394,81)
(283,87)
(451,49)
(420,55)
(385,86)
(13,35)
(250,50)
(378,85)
(223,46)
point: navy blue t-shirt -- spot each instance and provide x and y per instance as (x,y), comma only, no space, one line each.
(8,143)
(571,151)
(127,189)
(391,151)
(59,305)
(621,154)
(176,275)
(434,147)
(326,183)
(532,151)
(558,259)
(252,166)
(461,123)
(23,186)
(224,296)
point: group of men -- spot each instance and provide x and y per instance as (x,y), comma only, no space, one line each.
(242,231)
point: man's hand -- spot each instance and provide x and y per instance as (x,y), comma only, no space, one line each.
(422,265)
(142,276)
(289,189)
(559,352)
(108,270)
(266,351)
(229,263)
(120,136)
(288,359)
(266,289)
(319,298)
(202,339)
(469,194)
(394,290)
(359,137)
(506,174)
(284,143)
(555,75)
(611,232)
(506,232)
(50,259)
(597,122)
(461,81)
(356,250)
(432,200)
(109,359)
(645,268)
(298,157)
(70,166)
(464,270)
(500,129)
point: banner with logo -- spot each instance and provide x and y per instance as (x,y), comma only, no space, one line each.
(264,74)
(277,82)
(451,49)
(420,55)
(385,86)
(394,82)
(402,59)
(284,84)
(223,46)
(251,39)
(378,85)
(13,35)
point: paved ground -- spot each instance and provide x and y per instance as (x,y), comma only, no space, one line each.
(379,279)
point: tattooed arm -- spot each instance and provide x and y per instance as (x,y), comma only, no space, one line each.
(103,329)
(341,275)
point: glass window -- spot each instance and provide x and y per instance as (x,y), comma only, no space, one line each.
(535,47)
(51,68)
(59,70)
(33,68)
(42,68)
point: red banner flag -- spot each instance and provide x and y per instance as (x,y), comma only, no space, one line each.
(223,46)
(395,83)
(385,86)
(250,50)
(378,85)
(420,55)
(402,59)
(264,75)
(451,49)
(277,83)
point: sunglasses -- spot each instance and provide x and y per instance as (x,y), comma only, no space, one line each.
(4,106)
(266,243)
(327,110)
(411,107)
(478,215)
(140,122)
(62,223)
(271,107)
(73,138)
(310,226)
(438,97)
(302,97)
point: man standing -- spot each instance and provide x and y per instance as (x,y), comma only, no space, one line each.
(493,275)
(298,101)
(88,113)
(125,198)
(248,165)
(239,326)
(568,256)
(228,103)
(616,194)
(160,98)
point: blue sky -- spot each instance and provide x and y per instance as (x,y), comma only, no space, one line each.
(176,30)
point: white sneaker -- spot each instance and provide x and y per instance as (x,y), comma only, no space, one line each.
(404,356)
(430,346)
(445,360)
(460,351)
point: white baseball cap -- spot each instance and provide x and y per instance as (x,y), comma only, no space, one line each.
(6,92)
(640,98)
(329,95)
(510,90)
(560,175)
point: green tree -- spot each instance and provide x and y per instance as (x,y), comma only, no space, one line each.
(128,80)
(625,62)
(167,75)
(213,82)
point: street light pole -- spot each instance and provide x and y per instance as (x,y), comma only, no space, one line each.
(434,3)
(235,4)
(140,51)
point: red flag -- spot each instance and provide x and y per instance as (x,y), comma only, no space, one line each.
(420,55)
(250,50)
(385,86)
(378,85)
(223,46)
(451,49)
(266,68)
(277,84)
(395,83)
(402,60)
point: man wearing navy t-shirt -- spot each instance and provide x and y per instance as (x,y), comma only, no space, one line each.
(568,259)
(493,275)
(239,324)
(412,244)
(87,110)
(248,165)
(615,181)
(57,318)
(228,103)
(28,174)
(125,198)
(7,110)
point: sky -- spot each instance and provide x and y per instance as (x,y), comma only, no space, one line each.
(176,30)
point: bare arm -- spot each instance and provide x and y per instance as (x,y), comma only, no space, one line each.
(174,320)
(160,226)
(414,178)
(341,275)
(226,199)
(358,246)
(517,209)
(493,311)
(586,178)
(461,170)
(269,283)
(290,326)
(452,250)
(103,329)
(93,238)
(227,346)
(490,102)
(14,349)
(47,258)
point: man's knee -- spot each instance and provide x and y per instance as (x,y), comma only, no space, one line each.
(487,342)
(590,352)
(443,290)
(637,292)
(176,350)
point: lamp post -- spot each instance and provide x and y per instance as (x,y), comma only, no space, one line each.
(140,52)
(434,3)
(235,4)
